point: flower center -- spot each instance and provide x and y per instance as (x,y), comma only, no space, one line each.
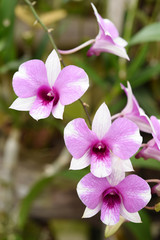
(47,95)
(100,148)
(111,197)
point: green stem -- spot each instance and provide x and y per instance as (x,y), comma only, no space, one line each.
(86,111)
(45,29)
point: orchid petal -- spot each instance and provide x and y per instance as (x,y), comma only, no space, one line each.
(80,163)
(23,104)
(30,76)
(57,110)
(53,67)
(110,213)
(133,217)
(90,189)
(78,137)
(135,193)
(71,84)
(156,128)
(101,121)
(100,166)
(91,212)
(39,110)
(123,138)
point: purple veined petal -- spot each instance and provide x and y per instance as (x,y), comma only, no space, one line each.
(123,138)
(132,217)
(39,110)
(71,84)
(90,190)
(135,193)
(156,130)
(110,210)
(30,76)
(120,42)
(101,121)
(101,166)
(105,46)
(23,104)
(53,67)
(91,212)
(78,137)
(58,110)
(82,162)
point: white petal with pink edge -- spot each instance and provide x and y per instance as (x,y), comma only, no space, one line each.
(110,215)
(100,166)
(40,110)
(53,67)
(101,121)
(71,84)
(23,104)
(58,110)
(78,137)
(91,212)
(80,163)
(133,217)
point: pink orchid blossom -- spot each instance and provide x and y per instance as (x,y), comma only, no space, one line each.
(107,40)
(107,147)
(134,112)
(45,88)
(152,148)
(124,199)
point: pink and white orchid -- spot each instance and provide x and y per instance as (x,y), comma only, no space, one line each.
(152,148)
(107,40)
(107,147)
(43,88)
(124,199)
(134,112)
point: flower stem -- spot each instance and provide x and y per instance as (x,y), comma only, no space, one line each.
(84,105)
(73,50)
(150,208)
(116,116)
(45,29)
(153,180)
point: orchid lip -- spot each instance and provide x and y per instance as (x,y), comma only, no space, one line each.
(111,196)
(100,148)
(47,95)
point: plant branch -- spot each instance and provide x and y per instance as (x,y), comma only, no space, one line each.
(45,29)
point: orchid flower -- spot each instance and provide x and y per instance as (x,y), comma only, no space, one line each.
(45,88)
(134,112)
(107,40)
(123,199)
(152,148)
(107,147)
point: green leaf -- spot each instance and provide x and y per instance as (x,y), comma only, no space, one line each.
(150,163)
(149,33)
(144,75)
(27,201)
